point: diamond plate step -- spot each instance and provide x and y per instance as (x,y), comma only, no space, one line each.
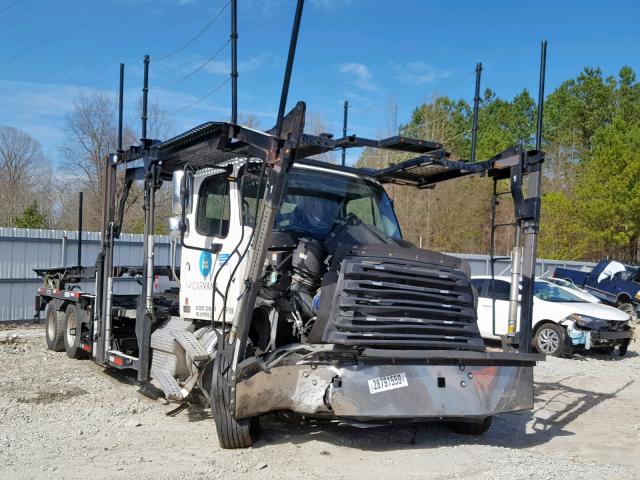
(169,384)
(191,345)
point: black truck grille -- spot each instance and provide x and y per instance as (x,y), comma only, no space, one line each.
(402,304)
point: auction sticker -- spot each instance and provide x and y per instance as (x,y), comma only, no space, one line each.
(390,382)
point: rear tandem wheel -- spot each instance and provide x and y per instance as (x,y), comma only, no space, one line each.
(54,328)
(72,329)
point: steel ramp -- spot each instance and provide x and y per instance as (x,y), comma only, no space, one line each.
(168,383)
(191,345)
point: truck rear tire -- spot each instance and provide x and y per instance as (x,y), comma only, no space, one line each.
(72,341)
(232,433)
(472,428)
(54,328)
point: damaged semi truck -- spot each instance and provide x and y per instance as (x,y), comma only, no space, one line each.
(295,289)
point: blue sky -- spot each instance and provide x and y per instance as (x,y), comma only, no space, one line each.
(371,52)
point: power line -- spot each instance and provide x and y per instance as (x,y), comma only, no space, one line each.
(9,6)
(456,136)
(197,35)
(454,84)
(59,35)
(193,72)
(202,98)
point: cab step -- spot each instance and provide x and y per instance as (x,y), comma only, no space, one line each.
(191,345)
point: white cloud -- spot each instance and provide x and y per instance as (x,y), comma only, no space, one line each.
(360,75)
(330,4)
(418,73)
(39,109)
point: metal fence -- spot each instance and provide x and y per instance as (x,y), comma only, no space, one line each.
(22,250)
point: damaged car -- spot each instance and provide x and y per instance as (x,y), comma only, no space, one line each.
(563,322)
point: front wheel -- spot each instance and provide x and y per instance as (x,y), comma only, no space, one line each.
(622,349)
(550,339)
(232,433)
(472,428)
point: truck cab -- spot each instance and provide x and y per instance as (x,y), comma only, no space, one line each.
(224,208)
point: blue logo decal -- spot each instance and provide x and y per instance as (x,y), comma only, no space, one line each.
(222,258)
(205,264)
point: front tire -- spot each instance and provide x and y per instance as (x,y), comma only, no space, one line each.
(472,428)
(232,433)
(54,328)
(622,349)
(550,339)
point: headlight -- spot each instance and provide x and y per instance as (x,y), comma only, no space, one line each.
(638,295)
(586,321)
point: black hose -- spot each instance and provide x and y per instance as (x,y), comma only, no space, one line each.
(235,269)
(224,264)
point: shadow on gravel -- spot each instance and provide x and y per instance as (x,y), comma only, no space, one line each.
(556,406)
(607,357)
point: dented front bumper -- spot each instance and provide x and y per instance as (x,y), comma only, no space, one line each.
(465,389)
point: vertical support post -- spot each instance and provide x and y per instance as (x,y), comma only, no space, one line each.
(476,106)
(145,95)
(105,261)
(344,129)
(543,67)
(289,68)
(120,107)
(531,220)
(79,262)
(492,260)
(234,61)
(145,311)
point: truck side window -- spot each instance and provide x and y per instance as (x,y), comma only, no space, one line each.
(500,290)
(251,197)
(212,216)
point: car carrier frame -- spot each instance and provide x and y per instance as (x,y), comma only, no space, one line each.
(116,330)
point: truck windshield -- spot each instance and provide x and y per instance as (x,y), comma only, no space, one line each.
(552,293)
(314,201)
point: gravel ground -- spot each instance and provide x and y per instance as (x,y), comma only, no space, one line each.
(62,418)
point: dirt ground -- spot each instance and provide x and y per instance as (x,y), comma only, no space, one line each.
(62,418)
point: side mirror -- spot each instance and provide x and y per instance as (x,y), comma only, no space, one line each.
(182,188)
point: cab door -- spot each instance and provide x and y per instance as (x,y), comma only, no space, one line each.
(208,243)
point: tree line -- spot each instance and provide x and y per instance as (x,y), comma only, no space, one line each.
(590,182)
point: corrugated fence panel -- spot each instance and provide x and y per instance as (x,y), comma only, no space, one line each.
(22,250)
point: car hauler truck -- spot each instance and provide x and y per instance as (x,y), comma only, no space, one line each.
(295,290)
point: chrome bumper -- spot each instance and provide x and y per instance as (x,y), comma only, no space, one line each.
(432,391)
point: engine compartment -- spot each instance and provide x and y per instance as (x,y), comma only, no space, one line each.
(361,288)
